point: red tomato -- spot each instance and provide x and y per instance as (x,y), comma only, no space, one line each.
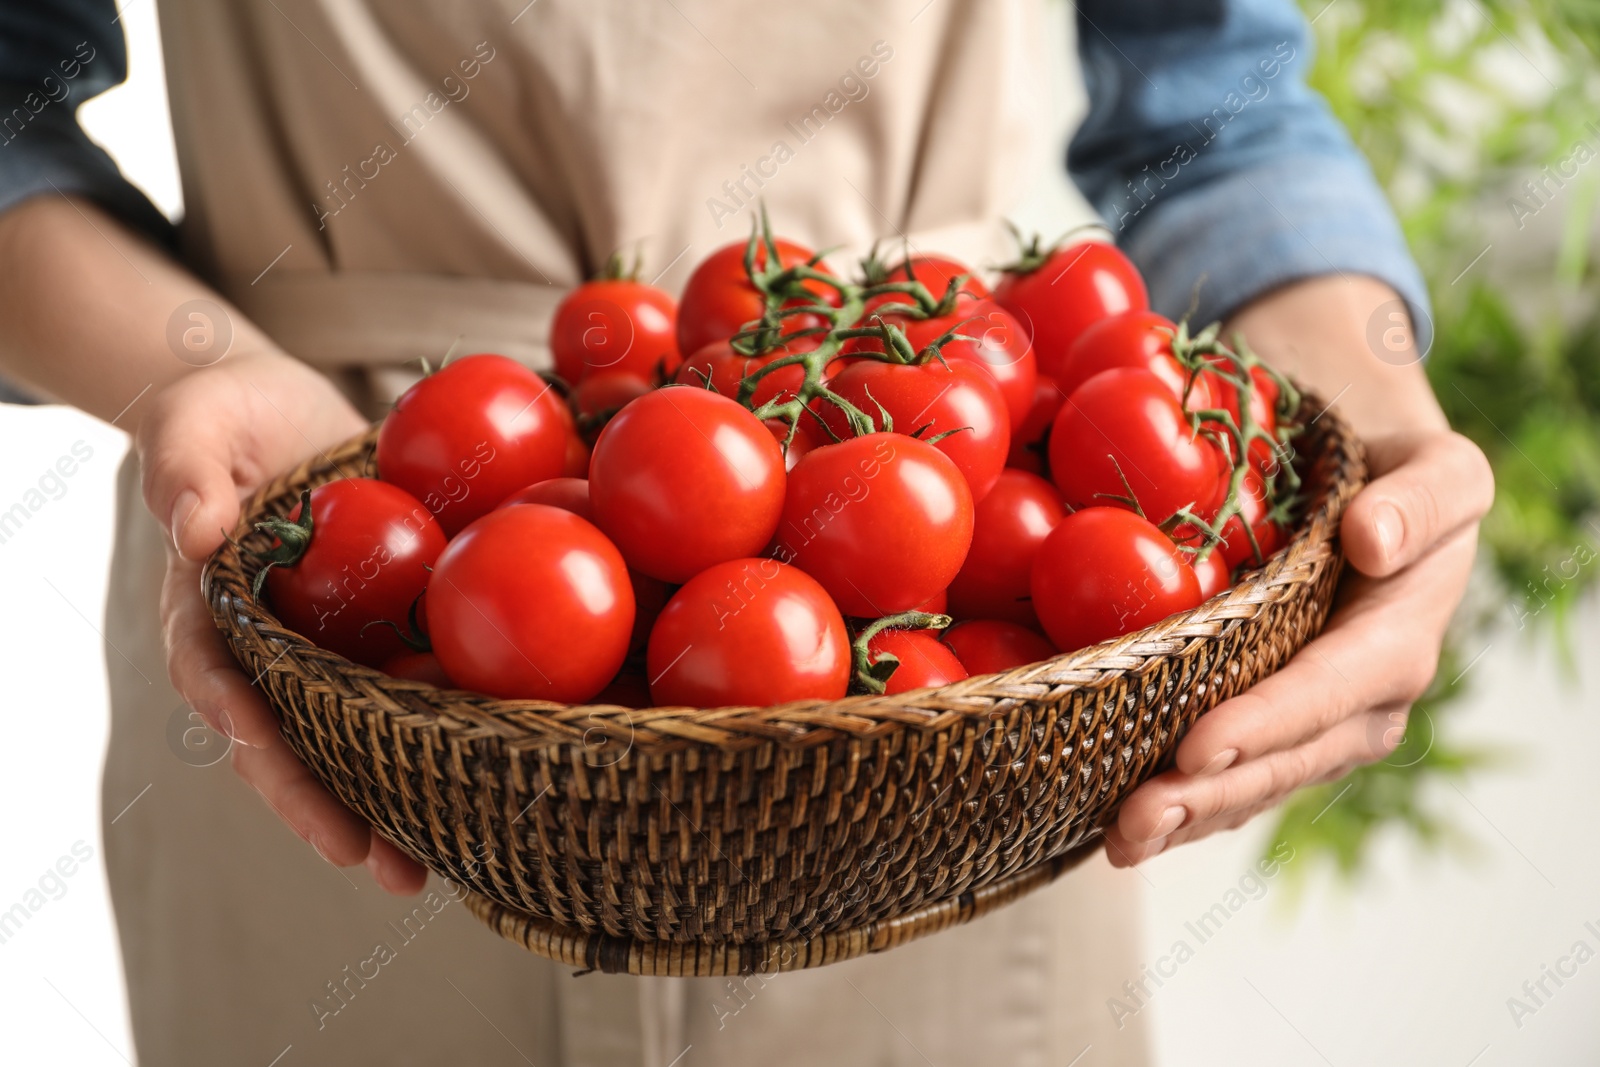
(1104,572)
(568,494)
(531,602)
(719,363)
(719,299)
(1212,573)
(988,646)
(924,662)
(683,479)
(1030,443)
(1253,507)
(1131,339)
(1129,420)
(467,436)
(614,325)
(575,460)
(363,558)
(882,521)
(418,667)
(607,391)
(1263,405)
(572,494)
(1001,346)
(807,436)
(935,272)
(748,632)
(1077,286)
(1008,527)
(939,396)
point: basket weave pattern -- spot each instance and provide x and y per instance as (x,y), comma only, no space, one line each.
(690,841)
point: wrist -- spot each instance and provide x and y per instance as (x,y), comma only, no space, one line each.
(1339,336)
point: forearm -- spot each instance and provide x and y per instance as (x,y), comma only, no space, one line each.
(1319,331)
(85,311)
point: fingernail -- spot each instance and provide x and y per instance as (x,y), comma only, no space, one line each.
(183,510)
(1171,819)
(318,844)
(1390,529)
(1220,762)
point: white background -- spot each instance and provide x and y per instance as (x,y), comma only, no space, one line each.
(1414,966)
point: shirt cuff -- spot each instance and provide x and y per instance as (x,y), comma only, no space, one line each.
(52,155)
(1256,229)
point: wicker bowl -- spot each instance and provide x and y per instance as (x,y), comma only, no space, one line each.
(682,841)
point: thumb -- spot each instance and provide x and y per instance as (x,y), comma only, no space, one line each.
(188,480)
(1428,486)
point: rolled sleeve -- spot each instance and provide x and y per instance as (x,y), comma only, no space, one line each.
(54,56)
(1216,165)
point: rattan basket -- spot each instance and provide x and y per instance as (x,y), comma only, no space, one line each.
(681,841)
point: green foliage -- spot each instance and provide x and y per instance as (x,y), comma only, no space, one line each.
(1458,105)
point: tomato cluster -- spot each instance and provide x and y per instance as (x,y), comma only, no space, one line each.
(792,485)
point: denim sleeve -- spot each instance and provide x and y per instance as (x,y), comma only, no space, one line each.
(54,55)
(1209,156)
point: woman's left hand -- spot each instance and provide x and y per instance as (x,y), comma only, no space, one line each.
(1409,538)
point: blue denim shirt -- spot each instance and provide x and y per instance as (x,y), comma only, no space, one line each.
(1203,147)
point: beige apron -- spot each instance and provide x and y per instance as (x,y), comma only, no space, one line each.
(377,182)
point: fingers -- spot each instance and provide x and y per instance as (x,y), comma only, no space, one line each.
(336,832)
(1429,486)
(188,480)
(1175,807)
(1381,647)
(200,666)
(393,870)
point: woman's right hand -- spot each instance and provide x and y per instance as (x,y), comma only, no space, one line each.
(208,440)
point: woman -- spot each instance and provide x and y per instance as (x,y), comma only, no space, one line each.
(368,184)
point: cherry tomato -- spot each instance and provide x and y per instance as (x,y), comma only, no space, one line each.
(1077,286)
(1132,339)
(1008,527)
(748,632)
(989,646)
(1129,421)
(808,435)
(935,272)
(682,479)
(882,521)
(1212,573)
(1235,548)
(467,436)
(719,299)
(1000,345)
(1263,405)
(568,494)
(924,662)
(1104,572)
(418,667)
(614,324)
(1030,443)
(364,558)
(572,494)
(606,391)
(575,460)
(531,602)
(721,366)
(934,398)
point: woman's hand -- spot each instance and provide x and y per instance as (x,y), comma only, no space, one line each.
(1409,538)
(206,442)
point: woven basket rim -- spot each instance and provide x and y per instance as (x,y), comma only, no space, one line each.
(540,723)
